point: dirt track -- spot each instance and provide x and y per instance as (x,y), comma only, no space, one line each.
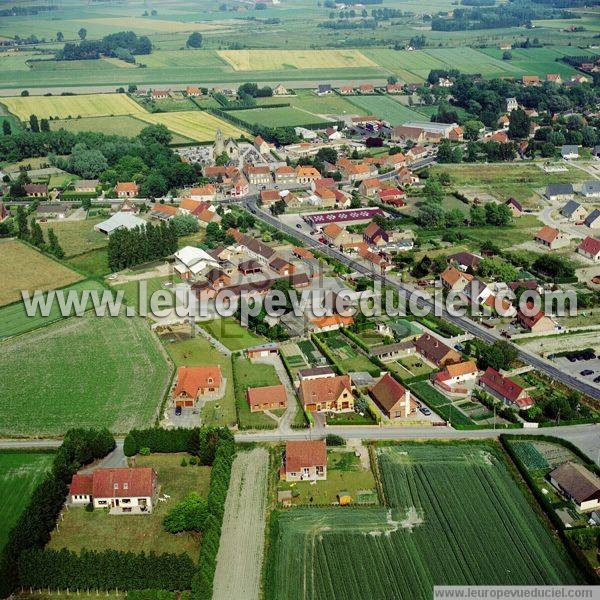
(239,561)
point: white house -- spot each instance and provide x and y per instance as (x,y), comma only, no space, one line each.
(189,261)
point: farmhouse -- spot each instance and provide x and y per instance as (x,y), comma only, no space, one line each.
(127,189)
(573,211)
(121,490)
(506,390)
(279,90)
(551,238)
(530,80)
(577,483)
(538,323)
(86,186)
(193,92)
(559,191)
(455,375)
(196,381)
(271,397)
(327,393)
(435,351)
(593,219)
(36,190)
(304,461)
(392,398)
(120,220)
(590,248)
(392,196)
(306,174)
(331,322)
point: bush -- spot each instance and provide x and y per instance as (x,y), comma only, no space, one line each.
(335,440)
(187,515)
(145,451)
(89,507)
(183,462)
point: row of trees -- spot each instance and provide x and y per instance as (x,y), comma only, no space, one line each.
(123,45)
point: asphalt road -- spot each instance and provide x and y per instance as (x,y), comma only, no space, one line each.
(471,327)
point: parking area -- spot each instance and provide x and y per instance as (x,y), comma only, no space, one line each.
(188,418)
(577,368)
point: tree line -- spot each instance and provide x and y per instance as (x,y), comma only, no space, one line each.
(123,45)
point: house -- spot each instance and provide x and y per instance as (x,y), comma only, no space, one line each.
(396,160)
(127,189)
(392,196)
(285,175)
(120,220)
(569,152)
(435,351)
(254,247)
(392,398)
(218,278)
(559,191)
(190,261)
(323,89)
(315,373)
(530,80)
(505,389)
(333,133)
(500,136)
(591,189)
(302,253)
(269,197)
(511,104)
(454,279)
(375,235)
(163,212)
(554,78)
(52,211)
(590,248)
(456,374)
(346,90)
(204,193)
(551,238)
(193,92)
(122,490)
(304,461)
(261,146)
(160,94)
(306,174)
(369,187)
(393,88)
(279,90)
(240,186)
(573,211)
(282,266)
(465,261)
(456,134)
(515,207)
(417,153)
(86,186)
(366,88)
(593,219)
(36,190)
(538,323)
(327,393)
(331,322)
(196,381)
(504,121)
(403,133)
(391,352)
(260,175)
(263,351)
(578,483)
(271,397)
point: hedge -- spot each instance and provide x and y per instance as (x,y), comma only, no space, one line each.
(157,439)
(325,350)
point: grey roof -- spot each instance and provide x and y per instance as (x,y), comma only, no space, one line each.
(52,208)
(591,187)
(324,87)
(559,189)
(316,372)
(389,348)
(120,220)
(432,127)
(569,208)
(568,149)
(593,216)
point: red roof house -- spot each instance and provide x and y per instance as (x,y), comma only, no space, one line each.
(505,389)
(195,381)
(305,461)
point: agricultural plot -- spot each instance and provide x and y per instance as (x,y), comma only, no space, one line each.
(440,404)
(63,107)
(27,269)
(456,517)
(133,293)
(82,372)
(194,124)
(20,473)
(331,104)
(530,456)
(138,534)
(93,263)
(282,116)
(77,237)
(271,60)
(387,108)
(125,125)
(240,556)
(349,358)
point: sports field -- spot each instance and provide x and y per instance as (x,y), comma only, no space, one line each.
(27,269)
(387,108)
(84,372)
(271,60)
(20,473)
(457,517)
(194,124)
(63,107)
(283,116)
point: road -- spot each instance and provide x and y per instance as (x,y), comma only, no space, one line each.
(479,331)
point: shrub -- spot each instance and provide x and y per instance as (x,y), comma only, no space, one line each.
(335,440)
(89,507)
(187,515)
(145,451)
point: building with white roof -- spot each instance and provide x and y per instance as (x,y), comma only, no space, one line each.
(120,220)
(189,261)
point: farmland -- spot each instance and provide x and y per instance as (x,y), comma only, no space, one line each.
(194,124)
(388,109)
(86,372)
(349,359)
(456,516)
(122,125)
(20,473)
(240,555)
(62,107)
(77,237)
(27,269)
(284,116)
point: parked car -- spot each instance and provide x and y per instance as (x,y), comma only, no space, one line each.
(177,411)
(425,411)
(298,226)
(597,379)
(587,372)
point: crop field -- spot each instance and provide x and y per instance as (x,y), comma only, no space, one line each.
(535,61)
(20,473)
(138,533)
(284,116)
(456,517)
(62,107)
(85,372)
(194,124)
(94,263)
(77,237)
(27,269)
(123,125)
(387,108)
(271,60)
(331,104)
(240,556)
(199,59)
(14,319)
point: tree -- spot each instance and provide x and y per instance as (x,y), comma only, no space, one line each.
(499,355)
(497,268)
(6,128)
(185,224)
(53,245)
(87,163)
(33,123)
(82,33)
(22,227)
(477,215)
(431,216)
(44,125)
(506,55)
(188,515)
(37,235)
(194,40)
(518,127)
(154,186)
(471,129)
(433,190)
(59,36)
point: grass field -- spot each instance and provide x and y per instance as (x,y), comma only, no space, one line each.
(331,104)
(349,358)
(77,237)
(283,116)
(271,60)
(123,125)
(84,372)
(93,263)
(231,334)
(387,108)
(132,291)
(194,124)
(63,107)
(27,269)
(457,517)
(139,533)
(20,473)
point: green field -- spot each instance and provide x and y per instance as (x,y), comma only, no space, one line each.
(93,263)
(231,334)
(20,473)
(388,109)
(284,116)
(350,359)
(457,517)
(125,125)
(77,237)
(331,104)
(84,372)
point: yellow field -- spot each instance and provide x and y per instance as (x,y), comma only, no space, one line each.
(272,60)
(92,105)
(152,25)
(194,124)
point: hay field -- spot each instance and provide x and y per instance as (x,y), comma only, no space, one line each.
(271,60)
(140,24)
(62,107)
(27,269)
(194,124)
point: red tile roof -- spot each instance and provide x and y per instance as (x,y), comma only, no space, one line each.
(328,389)
(115,483)
(387,391)
(590,245)
(300,454)
(191,379)
(81,484)
(271,394)
(547,234)
(505,387)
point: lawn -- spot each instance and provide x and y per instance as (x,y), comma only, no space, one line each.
(77,237)
(99,531)
(456,516)
(194,124)
(63,107)
(27,269)
(415,364)
(283,116)
(196,352)
(82,372)
(349,358)
(271,60)
(440,404)
(345,473)
(14,320)
(20,473)
(250,375)
(133,292)
(387,108)
(331,104)
(93,263)
(231,334)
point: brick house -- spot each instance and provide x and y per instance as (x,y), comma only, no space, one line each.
(271,397)
(505,389)
(196,381)
(304,461)
(127,189)
(590,248)
(393,398)
(551,238)
(330,393)
(435,351)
